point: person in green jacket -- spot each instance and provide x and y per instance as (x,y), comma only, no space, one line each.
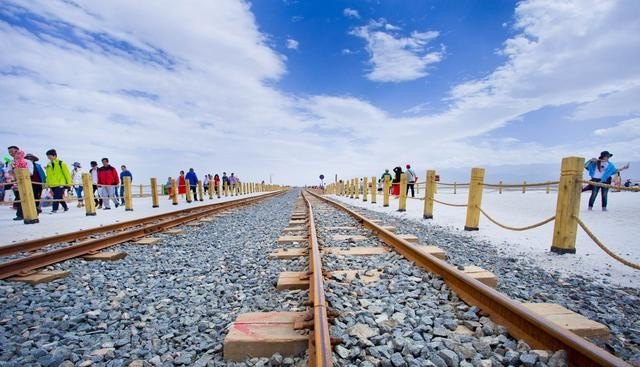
(58,179)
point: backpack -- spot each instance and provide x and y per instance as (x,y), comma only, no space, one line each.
(37,170)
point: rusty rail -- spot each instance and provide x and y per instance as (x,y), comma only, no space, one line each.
(320,355)
(39,260)
(521,323)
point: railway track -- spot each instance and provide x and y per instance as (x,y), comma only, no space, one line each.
(466,294)
(46,251)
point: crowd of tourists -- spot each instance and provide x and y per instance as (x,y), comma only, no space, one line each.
(213,184)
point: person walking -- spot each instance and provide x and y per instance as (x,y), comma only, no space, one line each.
(411,180)
(108,180)
(193,183)
(124,172)
(205,183)
(601,170)
(20,162)
(216,184)
(94,178)
(232,183)
(76,179)
(182,184)
(58,180)
(225,181)
(38,179)
(395,188)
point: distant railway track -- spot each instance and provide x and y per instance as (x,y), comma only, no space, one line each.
(94,239)
(520,322)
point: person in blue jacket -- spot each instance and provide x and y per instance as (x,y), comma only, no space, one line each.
(601,170)
(193,182)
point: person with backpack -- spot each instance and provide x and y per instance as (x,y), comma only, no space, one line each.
(193,183)
(38,179)
(601,170)
(76,179)
(108,180)
(411,180)
(58,179)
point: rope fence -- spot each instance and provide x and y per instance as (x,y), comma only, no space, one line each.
(569,188)
(605,248)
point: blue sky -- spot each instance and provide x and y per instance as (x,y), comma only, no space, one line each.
(298,88)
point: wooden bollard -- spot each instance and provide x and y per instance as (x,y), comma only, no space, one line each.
(385,192)
(374,189)
(524,187)
(429,194)
(200,190)
(402,202)
(568,206)
(365,189)
(357,187)
(187,184)
(211,189)
(548,187)
(455,187)
(226,189)
(154,193)
(475,199)
(174,192)
(89,201)
(128,202)
(141,190)
(500,187)
(27,199)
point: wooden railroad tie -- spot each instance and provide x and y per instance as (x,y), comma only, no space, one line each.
(39,277)
(289,253)
(106,256)
(291,239)
(261,334)
(147,241)
(570,320)
(173,231)
(288,280)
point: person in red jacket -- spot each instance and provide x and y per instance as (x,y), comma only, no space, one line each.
(108,179)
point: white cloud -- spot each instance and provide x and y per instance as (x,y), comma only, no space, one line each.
(351,13)
(396,58)
(626,129)
(292,44)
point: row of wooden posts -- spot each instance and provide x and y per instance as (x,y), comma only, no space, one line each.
(567,205)
(29,207)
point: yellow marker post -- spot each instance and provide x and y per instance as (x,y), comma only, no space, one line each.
(402,202)
(429,194)
(374,189)
(357,187)
(385,192)
(500,187)
(455,187)
(89,201)
(141,190)
(365,189)
(200,190)
(524,186)
(27,199)
(568,206)
(154,193)
(128,202)
(174,192)
(548,187)
(187,184)
(475,199)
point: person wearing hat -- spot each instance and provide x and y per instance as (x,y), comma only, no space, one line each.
(601,170)
(76,179)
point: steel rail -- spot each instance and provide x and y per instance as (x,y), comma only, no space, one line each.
(36,244)
(35,261)
(521,323)
(321,348)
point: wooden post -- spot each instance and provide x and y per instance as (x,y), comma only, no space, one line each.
(524,186)
(200,190)
(475,199)
(27,199)
(568,206)
(187,184)
(455,187)
(140,190)
(163,189)
(429,194)
(89,201)
(211,189)
(154,193)
(226,189)
(374,189)
(548,187)
(402,203)
(174,191)
(385,192)
(365,189)
(128,202)
(357,185)
(500,188)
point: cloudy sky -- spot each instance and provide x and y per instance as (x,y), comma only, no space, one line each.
(299,88)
